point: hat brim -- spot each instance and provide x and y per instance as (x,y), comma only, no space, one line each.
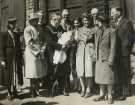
(12,20)
(33,19)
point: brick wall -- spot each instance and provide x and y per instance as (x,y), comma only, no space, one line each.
(103,5)
(0,15)
(29,8)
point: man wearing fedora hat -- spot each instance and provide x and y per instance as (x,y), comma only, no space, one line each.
(94,15)
(10,48)
(125,35)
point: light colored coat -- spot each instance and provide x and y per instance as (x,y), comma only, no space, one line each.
(85,51)
(34,60)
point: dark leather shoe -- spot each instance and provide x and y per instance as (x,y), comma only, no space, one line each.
(99,98)
(82,94)
(88,95)
(33,95)
(66,94)
(110,101)
(122,98)
(10,97)
(38,93)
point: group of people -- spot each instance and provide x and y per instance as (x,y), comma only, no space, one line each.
(93,48)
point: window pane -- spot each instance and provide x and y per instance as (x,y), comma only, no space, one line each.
(53,4)
(73,2)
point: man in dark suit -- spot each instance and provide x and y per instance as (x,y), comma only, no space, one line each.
(94,15)
(67,25)
(11,58)
(125,36)
(50,35)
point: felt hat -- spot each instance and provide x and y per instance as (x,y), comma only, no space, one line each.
(33,16)
(12,20)
(94,11)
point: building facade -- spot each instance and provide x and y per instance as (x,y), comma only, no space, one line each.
(12,8)
(22,8)
(76,7)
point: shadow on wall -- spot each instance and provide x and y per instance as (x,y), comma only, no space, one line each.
(39,103)
(133,90)
(3,96)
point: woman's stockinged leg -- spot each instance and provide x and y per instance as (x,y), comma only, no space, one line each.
(89,84)
(33,87)
(88,87)
(110,93)
(82,82)
(102,90)
(102,95)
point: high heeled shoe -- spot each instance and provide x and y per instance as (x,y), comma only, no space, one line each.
(65,93)
(82,93)
(87,94)
(99,98)
(38,93)
(10,96)
(110,101)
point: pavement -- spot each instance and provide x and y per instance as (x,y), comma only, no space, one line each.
(73,99)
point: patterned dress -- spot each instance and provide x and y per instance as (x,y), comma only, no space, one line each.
(85,53)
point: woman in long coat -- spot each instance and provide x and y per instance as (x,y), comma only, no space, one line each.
(85,52)
(34,54)
(105,54)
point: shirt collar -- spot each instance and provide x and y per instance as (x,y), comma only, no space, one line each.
(119,20)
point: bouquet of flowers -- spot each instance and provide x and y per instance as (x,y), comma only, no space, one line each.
(60,55)
(37,49)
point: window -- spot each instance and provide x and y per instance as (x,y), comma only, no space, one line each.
(73,3)
(36,3)
(53,5)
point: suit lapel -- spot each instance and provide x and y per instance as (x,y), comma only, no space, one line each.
(105,34)
(99,34)
(120,23)
(12,38)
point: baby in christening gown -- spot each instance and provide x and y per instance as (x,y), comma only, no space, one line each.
(60,55)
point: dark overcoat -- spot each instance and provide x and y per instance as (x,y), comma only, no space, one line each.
(49,35)
(11,53)
(105,42)
(125,39)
